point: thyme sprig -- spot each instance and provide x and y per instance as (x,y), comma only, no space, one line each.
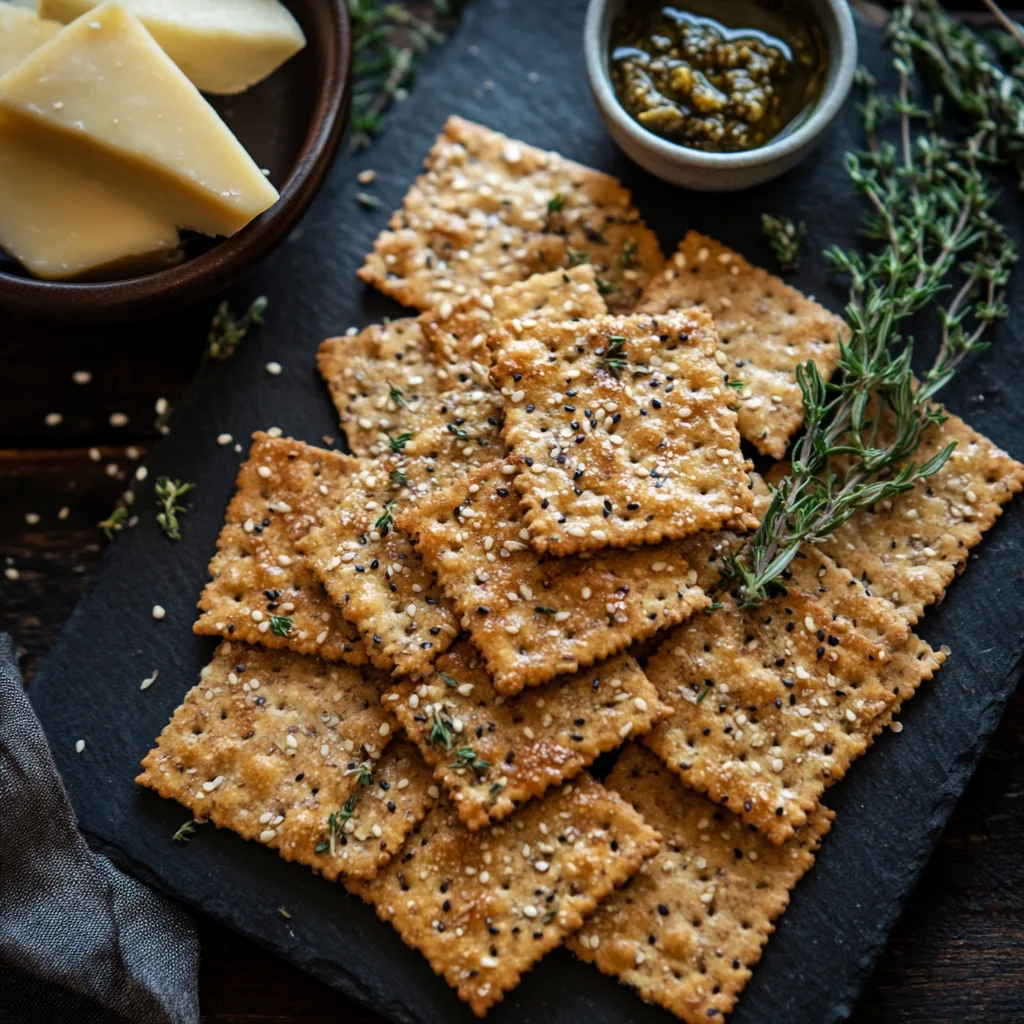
(228,331)
(386,520)
(785,238)
(169,494)
(387,42)
(937,246)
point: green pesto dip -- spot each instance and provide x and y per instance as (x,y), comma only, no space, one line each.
(725,84)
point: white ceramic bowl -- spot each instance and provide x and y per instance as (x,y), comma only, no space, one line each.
(721,172)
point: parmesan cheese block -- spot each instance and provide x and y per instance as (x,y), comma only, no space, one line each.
(21,32)
(61,224)
(224,46)
(123,111)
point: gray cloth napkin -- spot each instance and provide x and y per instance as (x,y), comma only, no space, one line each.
(79,941)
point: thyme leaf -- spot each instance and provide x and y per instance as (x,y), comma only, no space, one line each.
(785,239)
(396,444)
(280,625)
(386,520)
(168,493)
(466,757)
(185,832)
(227,331)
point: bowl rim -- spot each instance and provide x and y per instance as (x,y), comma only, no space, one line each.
(198,278)
(835,13)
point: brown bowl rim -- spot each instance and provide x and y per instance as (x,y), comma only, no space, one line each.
(215,270)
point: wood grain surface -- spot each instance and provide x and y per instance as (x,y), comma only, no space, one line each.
(958,953)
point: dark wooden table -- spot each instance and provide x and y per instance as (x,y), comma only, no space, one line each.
(958,953)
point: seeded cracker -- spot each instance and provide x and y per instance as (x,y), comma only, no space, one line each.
(772,705)
(493,753)
(373,574)
(271,744)
(765,328)
(532,616)
(493,211)
(483,907)
(261,589)
(622,429)
(381,381)
(690,925)
(458,334)
(910,549)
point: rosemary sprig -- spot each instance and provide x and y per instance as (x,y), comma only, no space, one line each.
(935,235)
(387,41)
(785,239)
(227,331)
(169,492)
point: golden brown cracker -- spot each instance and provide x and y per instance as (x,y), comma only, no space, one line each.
(622,429)
(693,921)
(381,379)
(533,616)
(483,907)
(910,548)
(773,704)
(458,333)
(271,744)
(261,590)
(765,328)
(491,211)
(372,572)
(492,754)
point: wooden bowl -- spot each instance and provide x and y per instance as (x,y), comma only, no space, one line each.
(291,123)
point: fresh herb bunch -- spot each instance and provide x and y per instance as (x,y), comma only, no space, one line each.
(970,72)
(938,246)
(387,40)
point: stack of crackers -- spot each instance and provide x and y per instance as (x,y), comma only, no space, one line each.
(427,642)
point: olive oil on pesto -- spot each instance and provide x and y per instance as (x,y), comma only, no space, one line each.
(723,76)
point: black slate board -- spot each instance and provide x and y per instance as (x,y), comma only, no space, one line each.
(895,801)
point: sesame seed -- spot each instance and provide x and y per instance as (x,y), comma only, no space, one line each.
(159,611)
(53,419)
(81,376)
(224,439)
(79,746)
(263,472)
(273,368)
(267,835)
(118,419)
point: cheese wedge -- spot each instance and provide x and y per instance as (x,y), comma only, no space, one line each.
(60,224)
(21,32)
(224,46)
(123,111)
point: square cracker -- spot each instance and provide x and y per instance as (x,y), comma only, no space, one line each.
(393,398)
(533,616)
(772,705)
(458,331)
(261,590)
(691,924)
(269,745)
(623,429)
(911,548)
(498,752)
(765,327)
(483,907)
(372,572)
(493,211)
